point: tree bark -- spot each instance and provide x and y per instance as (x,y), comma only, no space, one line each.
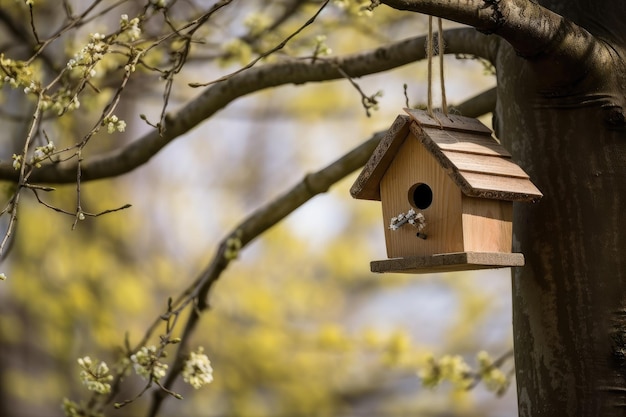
(567,298)
(568,302)
(560,113)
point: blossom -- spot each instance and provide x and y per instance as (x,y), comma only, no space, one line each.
(198,371)
(146,363)
(2,276)
(450,367)
(495,380)
(411,217)
(95,376)
(130,27)
(113,123)
(89,55)
(41,153)
(17,161)
(320,46)
(32,88)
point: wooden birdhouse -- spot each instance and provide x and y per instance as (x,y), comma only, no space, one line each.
(447,189)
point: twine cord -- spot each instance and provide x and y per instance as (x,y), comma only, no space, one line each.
(444,102)
(430,50)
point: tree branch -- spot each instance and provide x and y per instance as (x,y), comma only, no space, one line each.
(476,106)
(560,50)
(218,96)
(527,26)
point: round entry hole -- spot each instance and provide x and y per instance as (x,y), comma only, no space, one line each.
(420,196)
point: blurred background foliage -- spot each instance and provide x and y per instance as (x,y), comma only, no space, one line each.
(298,326)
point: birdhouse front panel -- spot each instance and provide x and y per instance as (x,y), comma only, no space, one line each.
(415,180)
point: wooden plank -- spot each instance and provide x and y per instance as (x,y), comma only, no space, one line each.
(451,122)
(487,225)
(367,184)
(504,188)
(485,164)
(448,262)
(466,142)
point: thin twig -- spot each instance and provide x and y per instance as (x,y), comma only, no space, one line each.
(278,47)
(368,102)
(23,173)
(35,188)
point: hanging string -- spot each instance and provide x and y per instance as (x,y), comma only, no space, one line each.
(444,102)
(429,54)
(430,50)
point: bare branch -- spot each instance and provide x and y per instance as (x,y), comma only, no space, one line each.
(546,39)
(476,106)
(218,96)
(264,55)
(526,25)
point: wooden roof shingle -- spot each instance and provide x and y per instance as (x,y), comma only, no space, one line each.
(464,148)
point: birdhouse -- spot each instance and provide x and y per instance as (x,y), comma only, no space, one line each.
(447,189)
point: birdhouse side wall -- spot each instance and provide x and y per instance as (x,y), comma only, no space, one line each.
(487,225)
(413,165)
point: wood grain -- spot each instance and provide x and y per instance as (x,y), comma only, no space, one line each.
(485,164)
(462,142)
(449,122)
(498,186)
(413,165)
(487,225)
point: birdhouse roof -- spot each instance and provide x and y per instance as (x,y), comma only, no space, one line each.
(464,148)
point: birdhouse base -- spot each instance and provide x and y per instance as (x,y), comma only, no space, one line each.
(449,262)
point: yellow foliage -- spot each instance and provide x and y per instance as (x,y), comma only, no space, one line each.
(331,336)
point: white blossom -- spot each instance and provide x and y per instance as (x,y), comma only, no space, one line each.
(17,161)
(198,371)
(146,363)
(95,376)
(113,123)
(41,153)
(411,217)
(130,27)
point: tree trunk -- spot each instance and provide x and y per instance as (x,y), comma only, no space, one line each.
(569,301)
(560,111)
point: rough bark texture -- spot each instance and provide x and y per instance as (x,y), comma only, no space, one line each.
(569,301)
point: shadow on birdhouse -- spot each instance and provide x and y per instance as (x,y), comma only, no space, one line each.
(447,189)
